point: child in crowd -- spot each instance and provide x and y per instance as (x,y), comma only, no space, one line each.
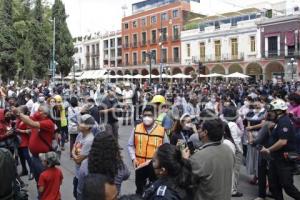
(51,179)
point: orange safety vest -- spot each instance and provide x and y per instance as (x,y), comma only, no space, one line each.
(147,143)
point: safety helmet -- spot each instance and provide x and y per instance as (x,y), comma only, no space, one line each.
(158,99)
(278,104)
(58,98)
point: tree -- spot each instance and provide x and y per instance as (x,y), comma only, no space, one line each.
(38,11)
(64,48)
(8,66)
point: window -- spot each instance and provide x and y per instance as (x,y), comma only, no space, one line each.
(97,49)
(188,50)
(93,49)
(144,38)
(112,43)
(217,25)
(176,32)
(134,24)
(153,19)
(135,39)
(153,55)
(164,16)
(144,57)
(105,44)
(272,46)
(79,63)
(144,22)
(126,25)
(126,42)
(202,27)
(218,50)
(234,49)
(175,13)
(80,49)
(202,51)
(126,59)
(153,36)
(252,44)
(97,62)
(164,32)
(134,58)
(87,49)
(164,56)
(176,54)
(119,41)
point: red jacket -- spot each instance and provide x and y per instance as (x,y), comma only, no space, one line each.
(3,126)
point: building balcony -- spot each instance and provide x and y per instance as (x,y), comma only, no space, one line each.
(134,45)
(153,41)
(143,43)
(95,54)
(214,58)
(176,38)
(105,47)
(87,54)
(105,57)
(293,54)
(126,45)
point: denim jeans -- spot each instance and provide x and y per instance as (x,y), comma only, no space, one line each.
(37,167)
(24,156)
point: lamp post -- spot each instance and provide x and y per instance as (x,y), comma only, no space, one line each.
(292,63)
(149,54)
(53,52)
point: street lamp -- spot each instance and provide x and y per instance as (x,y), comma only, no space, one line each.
(53,52)
(150,56)
(292,63)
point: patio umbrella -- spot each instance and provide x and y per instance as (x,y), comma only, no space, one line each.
(215,75)
(237,75)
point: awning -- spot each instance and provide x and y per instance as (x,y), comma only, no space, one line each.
(93,74)
(237,75)
(181,76)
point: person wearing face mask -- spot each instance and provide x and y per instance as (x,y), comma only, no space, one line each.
(212,104)
(40,101)
(29,101)
(142,144)
(183,129)
(42,134)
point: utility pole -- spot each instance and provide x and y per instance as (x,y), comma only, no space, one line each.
(53,53)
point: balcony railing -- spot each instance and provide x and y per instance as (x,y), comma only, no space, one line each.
(134,44)
(281,54)
(176,37)
(217,58)
(143,43)
(153,41)
(154,62)
(87,54)
(126,45)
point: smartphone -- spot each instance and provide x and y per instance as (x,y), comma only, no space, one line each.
(181,144)
(191,146)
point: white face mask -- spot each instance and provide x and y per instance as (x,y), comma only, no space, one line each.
(148,120)
(41,99)
(246,103)
(188,126)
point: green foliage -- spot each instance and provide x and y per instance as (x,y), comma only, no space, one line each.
(191,25)
(26,37)
(64,48)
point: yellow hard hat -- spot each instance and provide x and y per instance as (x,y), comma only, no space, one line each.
(158,99)
(58,98)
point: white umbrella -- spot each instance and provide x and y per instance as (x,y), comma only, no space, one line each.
(215,75)
(127,76)
(237,75)
(166,76)
(113,76)
(138,76)
(181,76)
(202,76)
(152,76)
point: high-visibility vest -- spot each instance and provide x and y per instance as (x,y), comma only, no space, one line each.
(160,118)
(147,143)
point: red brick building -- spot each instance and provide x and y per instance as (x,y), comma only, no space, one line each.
(154,27)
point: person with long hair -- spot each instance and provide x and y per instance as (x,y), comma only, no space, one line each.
(104,158)
(182,129)
(174,175)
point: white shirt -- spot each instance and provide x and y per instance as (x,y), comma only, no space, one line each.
(230,145)
(236,134)
(35,108)
(127,96)
(29,104)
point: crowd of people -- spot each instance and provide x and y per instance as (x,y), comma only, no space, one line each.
(188,139)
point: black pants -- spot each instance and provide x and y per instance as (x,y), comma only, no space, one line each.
(75,184)
(281,177)
(141,177)
(262,176)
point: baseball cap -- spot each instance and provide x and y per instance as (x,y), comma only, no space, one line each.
(50,157)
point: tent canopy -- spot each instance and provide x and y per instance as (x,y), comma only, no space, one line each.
(237,75)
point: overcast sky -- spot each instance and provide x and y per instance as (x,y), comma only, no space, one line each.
(89,16)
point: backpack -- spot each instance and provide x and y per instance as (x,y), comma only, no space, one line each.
(7,173)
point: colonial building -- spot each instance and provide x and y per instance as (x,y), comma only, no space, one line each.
(152,33)
(255,41)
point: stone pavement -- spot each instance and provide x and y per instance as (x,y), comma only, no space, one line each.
(128,187)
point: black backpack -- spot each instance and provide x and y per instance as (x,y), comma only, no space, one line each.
(7,173)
